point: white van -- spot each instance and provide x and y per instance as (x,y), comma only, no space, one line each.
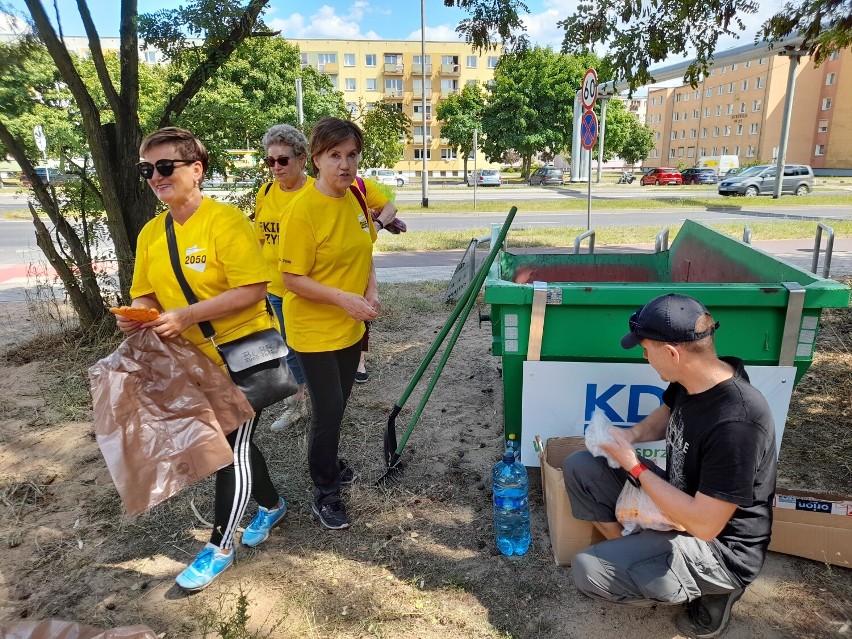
(719,163)
(385,176)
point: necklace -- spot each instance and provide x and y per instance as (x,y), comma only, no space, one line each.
(185,212)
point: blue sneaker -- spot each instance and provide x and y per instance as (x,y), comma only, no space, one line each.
(207,565)
(258,530)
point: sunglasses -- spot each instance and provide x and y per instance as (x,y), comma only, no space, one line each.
(164,167)
(284,160)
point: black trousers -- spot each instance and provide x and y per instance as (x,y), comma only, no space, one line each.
(247,477)
(329,376)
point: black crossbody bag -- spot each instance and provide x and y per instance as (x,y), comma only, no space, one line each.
(255,362)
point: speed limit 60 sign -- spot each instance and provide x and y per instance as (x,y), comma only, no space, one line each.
(589,94)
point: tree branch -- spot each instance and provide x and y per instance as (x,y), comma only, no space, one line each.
(216,57)
(98,56)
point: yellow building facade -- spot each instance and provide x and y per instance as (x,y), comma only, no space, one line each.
(738,110)
(368,71)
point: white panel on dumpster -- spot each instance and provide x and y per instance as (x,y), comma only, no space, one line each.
(559,398)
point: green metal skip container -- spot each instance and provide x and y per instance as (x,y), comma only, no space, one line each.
(768,309)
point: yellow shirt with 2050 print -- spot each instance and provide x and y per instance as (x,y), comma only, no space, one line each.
(217,251)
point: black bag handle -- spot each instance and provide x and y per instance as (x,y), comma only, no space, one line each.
(206,327)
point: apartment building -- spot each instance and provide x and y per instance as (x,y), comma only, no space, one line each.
(738,110)
(373,70)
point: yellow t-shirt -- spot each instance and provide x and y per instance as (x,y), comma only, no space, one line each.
(268,207)
(218,251)
(329,240)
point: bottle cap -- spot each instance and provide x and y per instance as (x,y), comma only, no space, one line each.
(508,457)
(512,436)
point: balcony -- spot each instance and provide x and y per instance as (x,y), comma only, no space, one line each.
(450,69)
(394,68)
(418,93)
(417,69)
(448,91)
(418,139)
(393,94)
(327,67)
(418,117)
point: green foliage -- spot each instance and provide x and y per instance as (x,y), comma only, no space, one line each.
(531,105)
(625,136)
(386,132)
(460,114)
(230,619)
(640,34)
(253,90)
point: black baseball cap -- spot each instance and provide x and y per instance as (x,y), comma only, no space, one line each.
(668,318)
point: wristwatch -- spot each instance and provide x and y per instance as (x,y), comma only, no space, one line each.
(633,474)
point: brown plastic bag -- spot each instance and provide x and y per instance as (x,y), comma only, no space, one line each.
(56,629)
(161,408)
(635,509)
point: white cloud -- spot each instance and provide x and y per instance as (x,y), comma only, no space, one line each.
(325,23)
(441,33)
(12,24)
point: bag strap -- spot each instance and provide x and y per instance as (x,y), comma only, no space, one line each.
(206,327)
(361,201)
(361,184)
(259,197)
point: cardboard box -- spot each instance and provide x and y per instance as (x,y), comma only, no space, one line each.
(568,536)
(813,525)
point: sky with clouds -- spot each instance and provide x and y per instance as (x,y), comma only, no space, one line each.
(370,19)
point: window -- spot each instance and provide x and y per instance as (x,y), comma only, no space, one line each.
(702,152)
(734,66)
(370,60)
(725,150)
(722,71)
(720,90)
(352,108)
(657,135)
(418,130)
(750,152)
(680,151)
(471,63)
(349,84)
(742,107)
(755,105)
(748,64)
(303,58)
(449,154)
(393,58)
(418,87)
(685,115)
(706,112)
(492,61)
(675,116)
(704,132)
(348,59)
(745,85)
(417,62)
(753,128)
(151,57)
(693,133)
(714,150)
(834,55)
(820,149)
(729,109)
(762,61)
(822,127)
(727,130)
(674,135)
(731,87)
(708,92)
(829,79)
(671,153)
(690,152)
(718,110)
(371,84)
(470,83)
(418,109)
(418,154)
(326,58)
(736,150)
(739,129)
(697,94)
(677,97)
(683,134)
(449,87)
(826,104)
(393,87)
(715,132)
(758,83)
(695,114)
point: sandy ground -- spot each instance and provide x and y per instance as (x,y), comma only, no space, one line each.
(419,560)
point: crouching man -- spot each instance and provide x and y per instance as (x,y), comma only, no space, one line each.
(719,483)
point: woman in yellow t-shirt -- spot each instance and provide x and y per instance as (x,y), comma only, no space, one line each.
(326,260)
(222,263)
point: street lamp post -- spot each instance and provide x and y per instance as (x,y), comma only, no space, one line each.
(425,181)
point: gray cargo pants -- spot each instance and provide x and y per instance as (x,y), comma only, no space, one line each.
(645,568)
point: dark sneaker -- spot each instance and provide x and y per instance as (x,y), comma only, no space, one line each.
(362,376)
(264,521)
(707,616)
(347,473)
(332,516)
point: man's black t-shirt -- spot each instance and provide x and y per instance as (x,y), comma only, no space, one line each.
(721,443)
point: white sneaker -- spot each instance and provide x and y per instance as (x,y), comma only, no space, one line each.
(294,411)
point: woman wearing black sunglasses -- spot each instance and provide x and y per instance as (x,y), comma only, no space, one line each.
(221,260)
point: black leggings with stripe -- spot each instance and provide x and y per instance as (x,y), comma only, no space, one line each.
(246,477)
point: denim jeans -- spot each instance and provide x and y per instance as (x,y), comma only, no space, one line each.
(292,360)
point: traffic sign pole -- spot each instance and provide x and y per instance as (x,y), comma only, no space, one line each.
(41,142)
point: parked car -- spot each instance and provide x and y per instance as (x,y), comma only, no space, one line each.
(699,176)
(760,180)
(55,176)
(735,171)
(662,175)
(484,177)
(386,176)
(9,178)
(547,175)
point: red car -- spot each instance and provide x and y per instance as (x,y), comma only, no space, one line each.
(663,175)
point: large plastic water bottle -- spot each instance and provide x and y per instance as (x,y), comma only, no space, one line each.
(511,508)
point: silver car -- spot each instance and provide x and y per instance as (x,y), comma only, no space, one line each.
(760,180)
(485,177)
